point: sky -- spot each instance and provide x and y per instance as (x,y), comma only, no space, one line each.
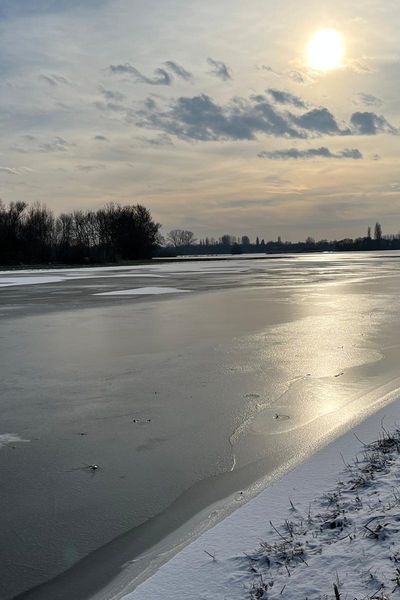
(207,112)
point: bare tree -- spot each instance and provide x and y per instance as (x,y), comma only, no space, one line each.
(181,237)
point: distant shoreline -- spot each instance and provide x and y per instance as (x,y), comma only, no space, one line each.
(178,258)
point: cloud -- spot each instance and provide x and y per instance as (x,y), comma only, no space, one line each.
(54,80)
(111,94)
(161,76)
(202,118)
(178,70)
(8,171)
(220,69)
(100,138)
(323,152)
(58,144)
(15,171)
(159,140)
(300,77)
(319,120)
(368,99)
(89,168)
(369,123)
(282,97)
(111,107)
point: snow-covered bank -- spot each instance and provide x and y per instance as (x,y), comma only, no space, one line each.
(324,519)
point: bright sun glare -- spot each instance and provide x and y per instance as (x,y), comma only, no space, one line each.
(325,50)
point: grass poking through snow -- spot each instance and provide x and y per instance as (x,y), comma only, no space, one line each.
(346,544)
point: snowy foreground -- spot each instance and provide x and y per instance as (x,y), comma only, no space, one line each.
(328,530)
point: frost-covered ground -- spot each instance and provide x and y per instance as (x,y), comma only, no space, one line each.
(330,529)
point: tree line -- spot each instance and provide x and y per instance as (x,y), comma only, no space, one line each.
(33,235)
(180,242)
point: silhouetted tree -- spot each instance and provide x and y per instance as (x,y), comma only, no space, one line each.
(227,240)
(181,237)
(114,232)
(378,232)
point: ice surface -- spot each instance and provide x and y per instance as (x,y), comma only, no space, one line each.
(144,291)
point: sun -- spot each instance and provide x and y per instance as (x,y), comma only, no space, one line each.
(325,50)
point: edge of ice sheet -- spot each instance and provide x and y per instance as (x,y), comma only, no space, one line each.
(10,438)
(194,574)
(145,291)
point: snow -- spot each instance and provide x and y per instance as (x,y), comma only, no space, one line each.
(144,291)
(10,281)
(10,438)
(156,270)
(312,523)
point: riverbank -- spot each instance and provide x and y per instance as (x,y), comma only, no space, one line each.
(333,521)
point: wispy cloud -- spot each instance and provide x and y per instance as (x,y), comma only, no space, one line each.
(220,69)
(15,170)
(161,76)
(309,153)
(57,144)
(368,99)
(282,97)
(54,80)
(178,70)
(111,94)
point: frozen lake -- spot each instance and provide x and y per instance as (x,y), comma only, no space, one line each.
(187,384)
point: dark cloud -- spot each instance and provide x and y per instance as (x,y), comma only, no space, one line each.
(282,97)
(369,123)
(319,120)
(220,69)
(323,152)
(161,76)
(178,70)
(202,118)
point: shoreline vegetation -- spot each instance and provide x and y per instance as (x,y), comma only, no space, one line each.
(118,235)
(355,524)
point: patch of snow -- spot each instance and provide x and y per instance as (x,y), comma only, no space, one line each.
(312,524)
(144,291)
(9,281)
(10,438)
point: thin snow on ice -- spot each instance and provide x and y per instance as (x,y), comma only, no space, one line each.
(144,291)
(10,438)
